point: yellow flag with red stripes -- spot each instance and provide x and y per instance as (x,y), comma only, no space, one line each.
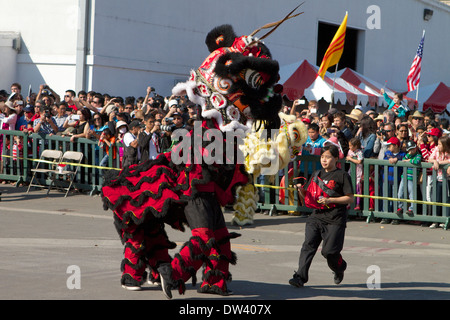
(335,49)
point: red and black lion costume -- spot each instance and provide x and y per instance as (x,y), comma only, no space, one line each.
(235,86)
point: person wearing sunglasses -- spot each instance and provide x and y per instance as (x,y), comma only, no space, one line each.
(383,135)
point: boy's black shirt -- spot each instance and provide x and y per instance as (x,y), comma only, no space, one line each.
(342,185)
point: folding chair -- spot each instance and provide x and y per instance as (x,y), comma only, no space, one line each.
(44,166)
(73,157)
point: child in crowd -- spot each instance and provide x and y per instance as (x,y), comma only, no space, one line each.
(427,143)
(439,157)
(356,156)
(412,156)
(395,104)
(393,155)
(17,154)
(107,141)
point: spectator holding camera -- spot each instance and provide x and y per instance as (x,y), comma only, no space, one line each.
(130,140)
(383,135)
(45,124)
(80,126)
(149,139)
(173,119)
(169,125)
(148,101)
(47,95)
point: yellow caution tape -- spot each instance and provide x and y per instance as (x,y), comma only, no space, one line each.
(65,163)
(366,196)
(256,185)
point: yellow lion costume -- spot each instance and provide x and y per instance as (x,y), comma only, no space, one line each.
(263,154)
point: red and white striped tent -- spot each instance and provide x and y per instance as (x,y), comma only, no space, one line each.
(434,96)
(300,80)
(372,87)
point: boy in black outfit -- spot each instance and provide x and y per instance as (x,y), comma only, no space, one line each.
(327,225)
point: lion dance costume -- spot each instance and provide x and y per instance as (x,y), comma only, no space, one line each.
(278,151)
(234,86)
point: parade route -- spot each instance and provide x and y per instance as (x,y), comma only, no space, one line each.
(46,240)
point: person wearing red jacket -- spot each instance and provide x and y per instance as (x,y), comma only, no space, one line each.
(428,142)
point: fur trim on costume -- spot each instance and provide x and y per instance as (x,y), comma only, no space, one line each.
(221,36)
(188,88)
(232,64)
(245,206)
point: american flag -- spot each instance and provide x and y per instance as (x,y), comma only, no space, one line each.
(414,73)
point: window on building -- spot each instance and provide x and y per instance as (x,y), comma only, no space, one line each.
(352,50)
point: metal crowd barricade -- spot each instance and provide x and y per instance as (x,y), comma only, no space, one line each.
(381,203)
(425,208)
(18,169)
(302,166)
(13,168)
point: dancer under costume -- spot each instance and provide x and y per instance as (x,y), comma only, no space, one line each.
(235,86)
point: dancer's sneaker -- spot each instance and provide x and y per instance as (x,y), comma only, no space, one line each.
(165,274)
(154,282)
(131,287)
(214,290)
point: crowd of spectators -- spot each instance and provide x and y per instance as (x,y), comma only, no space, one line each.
(145,124)
(393,135)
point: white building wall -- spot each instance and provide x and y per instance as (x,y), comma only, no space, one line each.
(136,43)
(47,29)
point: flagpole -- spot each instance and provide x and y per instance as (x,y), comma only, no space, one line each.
(334,80)
(417,95)
(417,89)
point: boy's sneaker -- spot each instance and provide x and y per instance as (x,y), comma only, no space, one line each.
(296,281)
(399,210)
(410,212)
(338,277)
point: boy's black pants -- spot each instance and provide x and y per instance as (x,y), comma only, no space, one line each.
(332,236)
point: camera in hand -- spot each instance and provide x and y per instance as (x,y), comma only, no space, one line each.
(381,132)
(168,128)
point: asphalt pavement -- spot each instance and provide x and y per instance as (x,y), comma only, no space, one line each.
(56,248)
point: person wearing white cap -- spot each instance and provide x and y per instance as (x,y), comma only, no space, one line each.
(9,116)
(130,140)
